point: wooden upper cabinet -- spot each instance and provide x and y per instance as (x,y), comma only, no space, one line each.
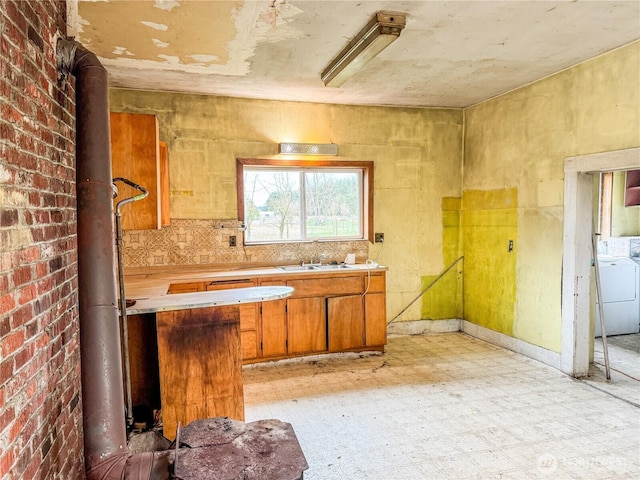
(135,155)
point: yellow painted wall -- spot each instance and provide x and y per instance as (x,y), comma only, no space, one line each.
(417,155)
(625,221)
(443,296)
(490,226)
(515,145)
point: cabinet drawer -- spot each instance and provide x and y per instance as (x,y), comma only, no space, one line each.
(186,287)
(326,287)
(228,284)
(376,285)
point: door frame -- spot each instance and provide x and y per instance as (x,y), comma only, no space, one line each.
(576,251)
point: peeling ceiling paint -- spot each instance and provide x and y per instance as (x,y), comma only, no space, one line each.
(451,54)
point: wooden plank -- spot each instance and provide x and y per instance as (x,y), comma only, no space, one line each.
(346,322)
(200,363)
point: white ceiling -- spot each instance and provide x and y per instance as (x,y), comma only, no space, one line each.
(451,54)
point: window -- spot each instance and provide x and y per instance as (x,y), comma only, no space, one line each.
(295,201)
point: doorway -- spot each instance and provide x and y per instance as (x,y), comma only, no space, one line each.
(576,258)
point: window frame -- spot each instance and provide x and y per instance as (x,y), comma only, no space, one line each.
(367,187)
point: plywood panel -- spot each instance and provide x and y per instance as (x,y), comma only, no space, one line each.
(200,360)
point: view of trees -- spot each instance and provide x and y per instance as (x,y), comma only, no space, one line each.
(274,201)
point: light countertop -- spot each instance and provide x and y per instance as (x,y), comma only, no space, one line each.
(186,301)
(155,282)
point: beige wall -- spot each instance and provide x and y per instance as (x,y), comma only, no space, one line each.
(417,155)
(515,146)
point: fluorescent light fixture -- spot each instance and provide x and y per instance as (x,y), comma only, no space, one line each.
(383,29)
(308,148)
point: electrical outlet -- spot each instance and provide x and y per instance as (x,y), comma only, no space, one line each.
(378,237)
(510,245)
(232,240)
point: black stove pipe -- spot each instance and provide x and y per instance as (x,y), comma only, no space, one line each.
(105,436)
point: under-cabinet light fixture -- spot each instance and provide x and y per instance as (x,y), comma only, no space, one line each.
(308,148)
(383,29)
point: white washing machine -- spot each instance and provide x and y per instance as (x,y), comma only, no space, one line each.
(620,285)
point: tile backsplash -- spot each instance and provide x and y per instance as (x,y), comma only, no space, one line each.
(194,242)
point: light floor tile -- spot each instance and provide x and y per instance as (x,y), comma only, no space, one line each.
(447,407)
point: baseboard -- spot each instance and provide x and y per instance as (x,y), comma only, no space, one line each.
(553,359)
(418,327)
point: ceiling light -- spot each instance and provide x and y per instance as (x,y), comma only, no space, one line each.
(383,29)
(308,148)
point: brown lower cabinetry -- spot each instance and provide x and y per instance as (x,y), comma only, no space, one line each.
(328,314)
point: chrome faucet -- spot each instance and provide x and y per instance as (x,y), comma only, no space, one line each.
(322,257)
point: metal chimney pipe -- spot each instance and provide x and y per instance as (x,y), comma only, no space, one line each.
(105,436)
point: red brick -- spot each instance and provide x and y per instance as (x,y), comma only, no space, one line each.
(27,294)
(6,370)
(22,275)
(12,342)
(6,417)
(7,303)
(21,316)
(7,458)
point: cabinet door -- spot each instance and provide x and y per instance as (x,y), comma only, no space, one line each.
(307,325)
(274,328)
(249,343)
(375,319)
(346,322)
(135,156)
(273,324)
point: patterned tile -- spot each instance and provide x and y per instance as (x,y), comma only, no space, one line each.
(196,242)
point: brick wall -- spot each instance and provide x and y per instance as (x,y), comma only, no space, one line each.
(40,408)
